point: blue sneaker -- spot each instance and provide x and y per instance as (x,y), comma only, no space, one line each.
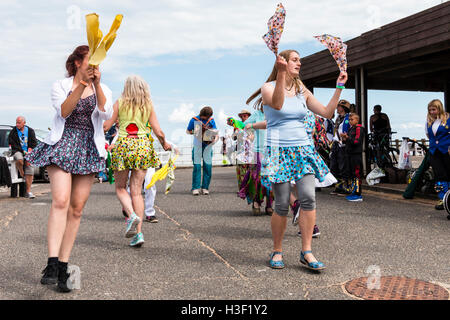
(137,241)
(354,198)
(132,223)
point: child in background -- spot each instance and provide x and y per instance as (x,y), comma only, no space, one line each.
(354,140)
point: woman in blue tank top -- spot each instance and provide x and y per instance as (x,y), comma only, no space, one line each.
(290,154)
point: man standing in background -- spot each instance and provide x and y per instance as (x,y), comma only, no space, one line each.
(22,140)
(205,134)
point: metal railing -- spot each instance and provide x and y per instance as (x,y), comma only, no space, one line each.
(185,157)
(415,151)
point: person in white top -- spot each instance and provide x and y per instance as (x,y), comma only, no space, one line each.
(73,152)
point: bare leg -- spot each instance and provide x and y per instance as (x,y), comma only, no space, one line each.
(278,224)
(61,186)
(136,181)
(307,221)
(28,182)
(121,178)
(19,166)
(81,188)
(292,199)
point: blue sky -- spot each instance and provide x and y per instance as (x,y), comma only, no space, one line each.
(191,52)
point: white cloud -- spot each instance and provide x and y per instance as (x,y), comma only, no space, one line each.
(222,116)
(183,113)
(37,37)
(29,108)
(411,125)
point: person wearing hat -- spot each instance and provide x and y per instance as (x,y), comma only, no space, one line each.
(251,187)
(244,166)
(244,115)
(241,168)
(338,163)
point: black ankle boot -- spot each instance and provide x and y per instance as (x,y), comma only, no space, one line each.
(63,277)
(439,205)
(50,274)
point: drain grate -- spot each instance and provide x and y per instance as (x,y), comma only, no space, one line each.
(397,288)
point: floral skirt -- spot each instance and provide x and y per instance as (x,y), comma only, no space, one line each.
(75,153)
(286,164)
(133,153)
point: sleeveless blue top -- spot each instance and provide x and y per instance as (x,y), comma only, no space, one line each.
(286,127)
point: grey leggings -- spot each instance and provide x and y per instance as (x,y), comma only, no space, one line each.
(306,191)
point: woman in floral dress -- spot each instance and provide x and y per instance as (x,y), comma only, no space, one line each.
(73,152)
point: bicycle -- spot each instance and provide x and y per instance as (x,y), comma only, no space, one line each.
(426,183)
(380,151)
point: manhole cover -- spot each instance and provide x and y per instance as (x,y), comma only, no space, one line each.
(396,288)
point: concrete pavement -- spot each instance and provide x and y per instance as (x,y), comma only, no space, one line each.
(211,247)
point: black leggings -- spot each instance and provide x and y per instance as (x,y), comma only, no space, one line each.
(441,166)
(338,162)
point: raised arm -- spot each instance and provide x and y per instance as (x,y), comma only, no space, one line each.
(70,103)
(274,97)
(94,72)
(318,108)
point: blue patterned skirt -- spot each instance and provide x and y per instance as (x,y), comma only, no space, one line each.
(286,164)
(75,153)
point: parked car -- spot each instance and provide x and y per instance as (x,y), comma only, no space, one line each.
(4,133)
(39,173)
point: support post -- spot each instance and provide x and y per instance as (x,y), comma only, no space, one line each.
(362,110)
(447,96)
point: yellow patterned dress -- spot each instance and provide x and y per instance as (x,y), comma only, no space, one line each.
(134,149)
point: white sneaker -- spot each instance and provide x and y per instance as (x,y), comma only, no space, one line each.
(30,195)
(205,192)
(196,192)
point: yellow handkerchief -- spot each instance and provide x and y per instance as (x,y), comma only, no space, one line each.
(97,53)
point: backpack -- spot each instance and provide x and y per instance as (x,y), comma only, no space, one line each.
(207,136)
(395,175)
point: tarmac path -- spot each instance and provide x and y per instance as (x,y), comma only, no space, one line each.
(211,247)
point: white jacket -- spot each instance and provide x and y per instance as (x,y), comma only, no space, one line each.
(60,91)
